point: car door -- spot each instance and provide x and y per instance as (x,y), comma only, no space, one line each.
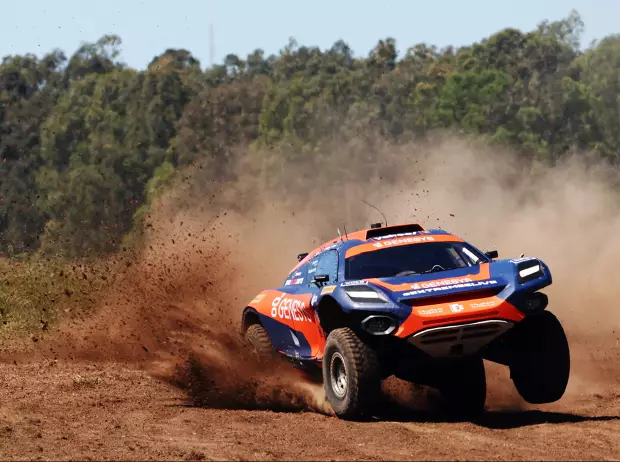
(287,309)
(325,264)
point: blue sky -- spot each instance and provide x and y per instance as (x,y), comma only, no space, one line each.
(148,27)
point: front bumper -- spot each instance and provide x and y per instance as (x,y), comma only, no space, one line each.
(459,340)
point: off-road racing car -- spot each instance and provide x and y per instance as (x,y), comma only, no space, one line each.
(421,304)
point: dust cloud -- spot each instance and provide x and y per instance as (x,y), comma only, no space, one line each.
(567,215)
(214,240)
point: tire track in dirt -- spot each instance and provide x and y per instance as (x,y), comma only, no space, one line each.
(85,410)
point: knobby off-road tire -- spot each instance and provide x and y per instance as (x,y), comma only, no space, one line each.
(258,340)
(351,376)
(540,367)
(463,388)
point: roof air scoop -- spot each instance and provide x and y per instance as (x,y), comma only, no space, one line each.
(389,230)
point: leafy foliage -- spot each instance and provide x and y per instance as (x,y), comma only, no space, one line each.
(86,142)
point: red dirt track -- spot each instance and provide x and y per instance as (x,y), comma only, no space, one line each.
(156,371)
(81,410)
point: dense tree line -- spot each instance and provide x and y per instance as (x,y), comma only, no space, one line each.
(85,141)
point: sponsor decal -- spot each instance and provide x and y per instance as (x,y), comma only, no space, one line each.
(354,283)
(298,273)
(314,299)
(313,266)
(294,282)
(405,240)
(258,298)
(327,290)
(519,260)
(392,236)
(456,307)
(533,304)
(430,311)
(440,282)
(284,307)
(488,304)
(490,282)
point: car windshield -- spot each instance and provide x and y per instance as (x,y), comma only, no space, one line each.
(412,259)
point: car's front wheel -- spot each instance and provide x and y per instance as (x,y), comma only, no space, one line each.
(540,365)
(350,374)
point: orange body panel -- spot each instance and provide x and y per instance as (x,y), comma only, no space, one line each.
(294,311)
(398,242)
(481,276)
(457,311)
(361,235)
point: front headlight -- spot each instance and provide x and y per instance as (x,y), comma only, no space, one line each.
(528,271)
(365,294)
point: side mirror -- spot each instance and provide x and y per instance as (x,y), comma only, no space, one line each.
(492,254)
(301,256)
(320,279)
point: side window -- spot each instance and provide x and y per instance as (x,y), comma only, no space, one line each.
(328,264)
(312,268)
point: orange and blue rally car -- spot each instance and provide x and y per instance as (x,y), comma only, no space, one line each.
(420,304)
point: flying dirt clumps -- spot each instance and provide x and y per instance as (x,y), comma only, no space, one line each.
(226,376)
(177,307)
(175,311)
(566,214)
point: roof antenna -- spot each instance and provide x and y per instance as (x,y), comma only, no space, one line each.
(376,210)
(346,235)
(339,235)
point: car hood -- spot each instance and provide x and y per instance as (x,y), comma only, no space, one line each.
(494,276)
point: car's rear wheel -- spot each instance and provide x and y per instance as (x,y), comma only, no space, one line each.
(462,385)
(540,365)
(260,344)
(350,374)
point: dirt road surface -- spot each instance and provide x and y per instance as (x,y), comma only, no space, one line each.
(81,410)
(105,384)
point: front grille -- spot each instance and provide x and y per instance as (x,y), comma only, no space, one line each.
(463,339)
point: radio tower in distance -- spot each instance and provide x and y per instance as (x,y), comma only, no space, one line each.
(211,44)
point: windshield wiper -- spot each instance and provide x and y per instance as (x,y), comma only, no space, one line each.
(433,270)
(405,273)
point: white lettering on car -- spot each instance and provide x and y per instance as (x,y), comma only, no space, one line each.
(392,236)
(406,240)
(354,283)
(519,260)
(294,282)
(429,311)
(442,282)
(483,304)
(455,286)
(289,308)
